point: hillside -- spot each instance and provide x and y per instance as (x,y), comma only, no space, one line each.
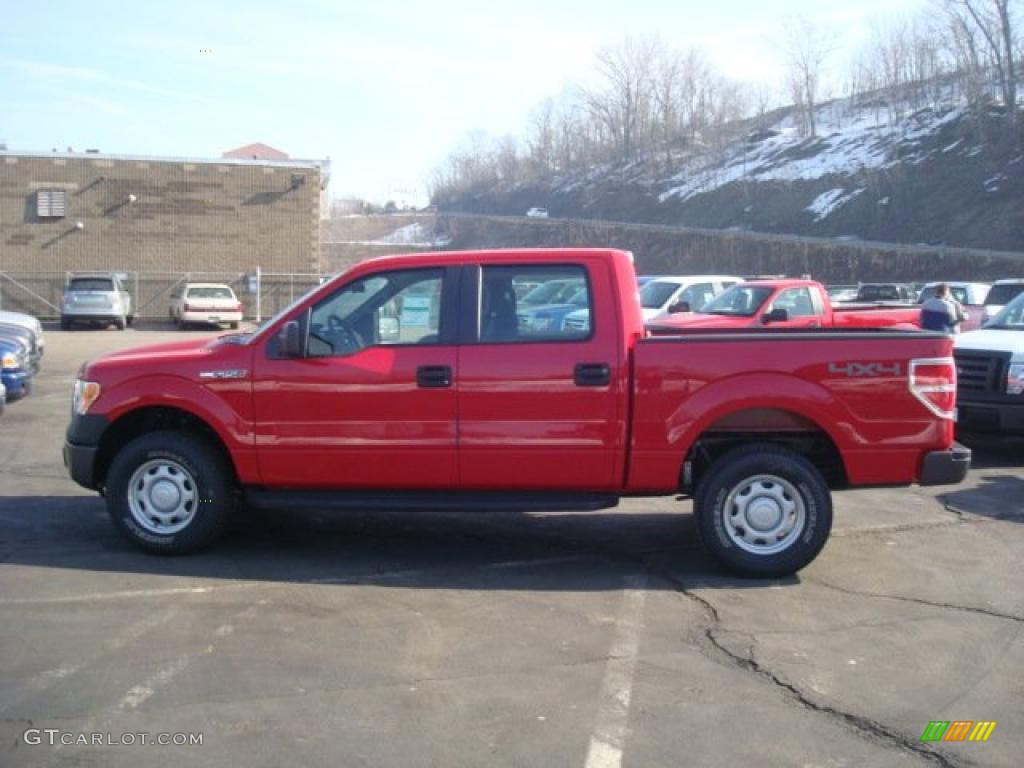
(875,171)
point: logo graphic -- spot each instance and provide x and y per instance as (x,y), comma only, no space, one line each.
(958,730)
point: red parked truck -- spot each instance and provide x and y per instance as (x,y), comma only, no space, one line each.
(408,382)
(787,304)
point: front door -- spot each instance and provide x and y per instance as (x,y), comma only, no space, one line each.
(798,303)
(372,404)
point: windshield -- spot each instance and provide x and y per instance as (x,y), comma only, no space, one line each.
(211,292)
(91,284)
(271,320)
(1010,317)
(1004,294)
(739,301)
(654,295)
(959,293)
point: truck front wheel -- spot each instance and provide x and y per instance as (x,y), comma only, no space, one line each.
(169,493)
(763,510)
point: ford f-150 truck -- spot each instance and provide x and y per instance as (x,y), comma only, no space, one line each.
(466,407)
(787,304)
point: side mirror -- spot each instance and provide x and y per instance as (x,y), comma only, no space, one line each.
(777,315)
(679,306)
(291,339)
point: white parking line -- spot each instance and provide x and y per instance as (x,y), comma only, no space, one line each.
(612,720)
(50,677)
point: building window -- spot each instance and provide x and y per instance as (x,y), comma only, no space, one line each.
(50,203)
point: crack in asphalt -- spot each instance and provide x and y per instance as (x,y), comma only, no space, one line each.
(878,732)
(873,730)
(917,600)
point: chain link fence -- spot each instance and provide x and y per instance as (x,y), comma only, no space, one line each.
(262,293)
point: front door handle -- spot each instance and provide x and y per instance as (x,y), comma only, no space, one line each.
(434,376)
(593,375)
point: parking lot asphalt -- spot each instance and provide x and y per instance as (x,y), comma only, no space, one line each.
(430,639)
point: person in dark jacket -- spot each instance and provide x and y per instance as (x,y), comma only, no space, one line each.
(941,312)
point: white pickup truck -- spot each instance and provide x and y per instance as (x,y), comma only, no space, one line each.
(990,374)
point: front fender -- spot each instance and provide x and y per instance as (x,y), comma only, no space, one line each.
(224,405)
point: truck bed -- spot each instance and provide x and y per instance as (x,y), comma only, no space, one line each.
(847,385)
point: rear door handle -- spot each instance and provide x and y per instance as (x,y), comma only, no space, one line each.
(592,375)
(434,376)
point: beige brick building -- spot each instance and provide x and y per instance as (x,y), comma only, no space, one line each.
(64,212)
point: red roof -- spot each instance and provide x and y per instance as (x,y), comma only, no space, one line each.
(256,151)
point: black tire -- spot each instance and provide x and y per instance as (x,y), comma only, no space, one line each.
(740,466)
(213,482)
(121,323)
(234,326)
(131,319)
(65,324)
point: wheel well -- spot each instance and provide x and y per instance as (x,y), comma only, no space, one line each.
(774,427)
(139,422)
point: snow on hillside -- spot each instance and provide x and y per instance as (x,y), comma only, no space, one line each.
(414,234)
(850,140)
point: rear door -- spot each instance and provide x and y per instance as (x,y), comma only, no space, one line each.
(539,407)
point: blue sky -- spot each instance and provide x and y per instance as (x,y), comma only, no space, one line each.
(385,89)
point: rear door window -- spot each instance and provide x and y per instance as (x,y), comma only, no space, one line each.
(564,314)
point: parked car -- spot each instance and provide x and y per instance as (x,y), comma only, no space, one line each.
(970,296)
(537,213)
(642,280)
(999,295)
(556,291)
(26,339)
(3,396)
(886,293)
(666,296)
(990,373)
(314,410)
(209,303)
(786,304)
(551,316)
(842,293)
(26,321)
(96,298)
(15,370)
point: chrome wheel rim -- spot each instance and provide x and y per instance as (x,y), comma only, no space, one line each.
(162,496)
(764,514)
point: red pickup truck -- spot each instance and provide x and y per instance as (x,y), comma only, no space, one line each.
(787,304)
(408,381)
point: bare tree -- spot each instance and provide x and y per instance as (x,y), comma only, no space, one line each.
(806,47)
(995,23)
(622,101)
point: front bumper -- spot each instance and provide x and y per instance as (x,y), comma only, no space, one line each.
(82,447)
(17,383)
(991,416)
(946,467)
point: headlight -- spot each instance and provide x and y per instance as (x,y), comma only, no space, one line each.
(9,360)
(85,395)
(1015,379)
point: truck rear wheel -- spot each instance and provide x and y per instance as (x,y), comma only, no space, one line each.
(169,493)
(764,510)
